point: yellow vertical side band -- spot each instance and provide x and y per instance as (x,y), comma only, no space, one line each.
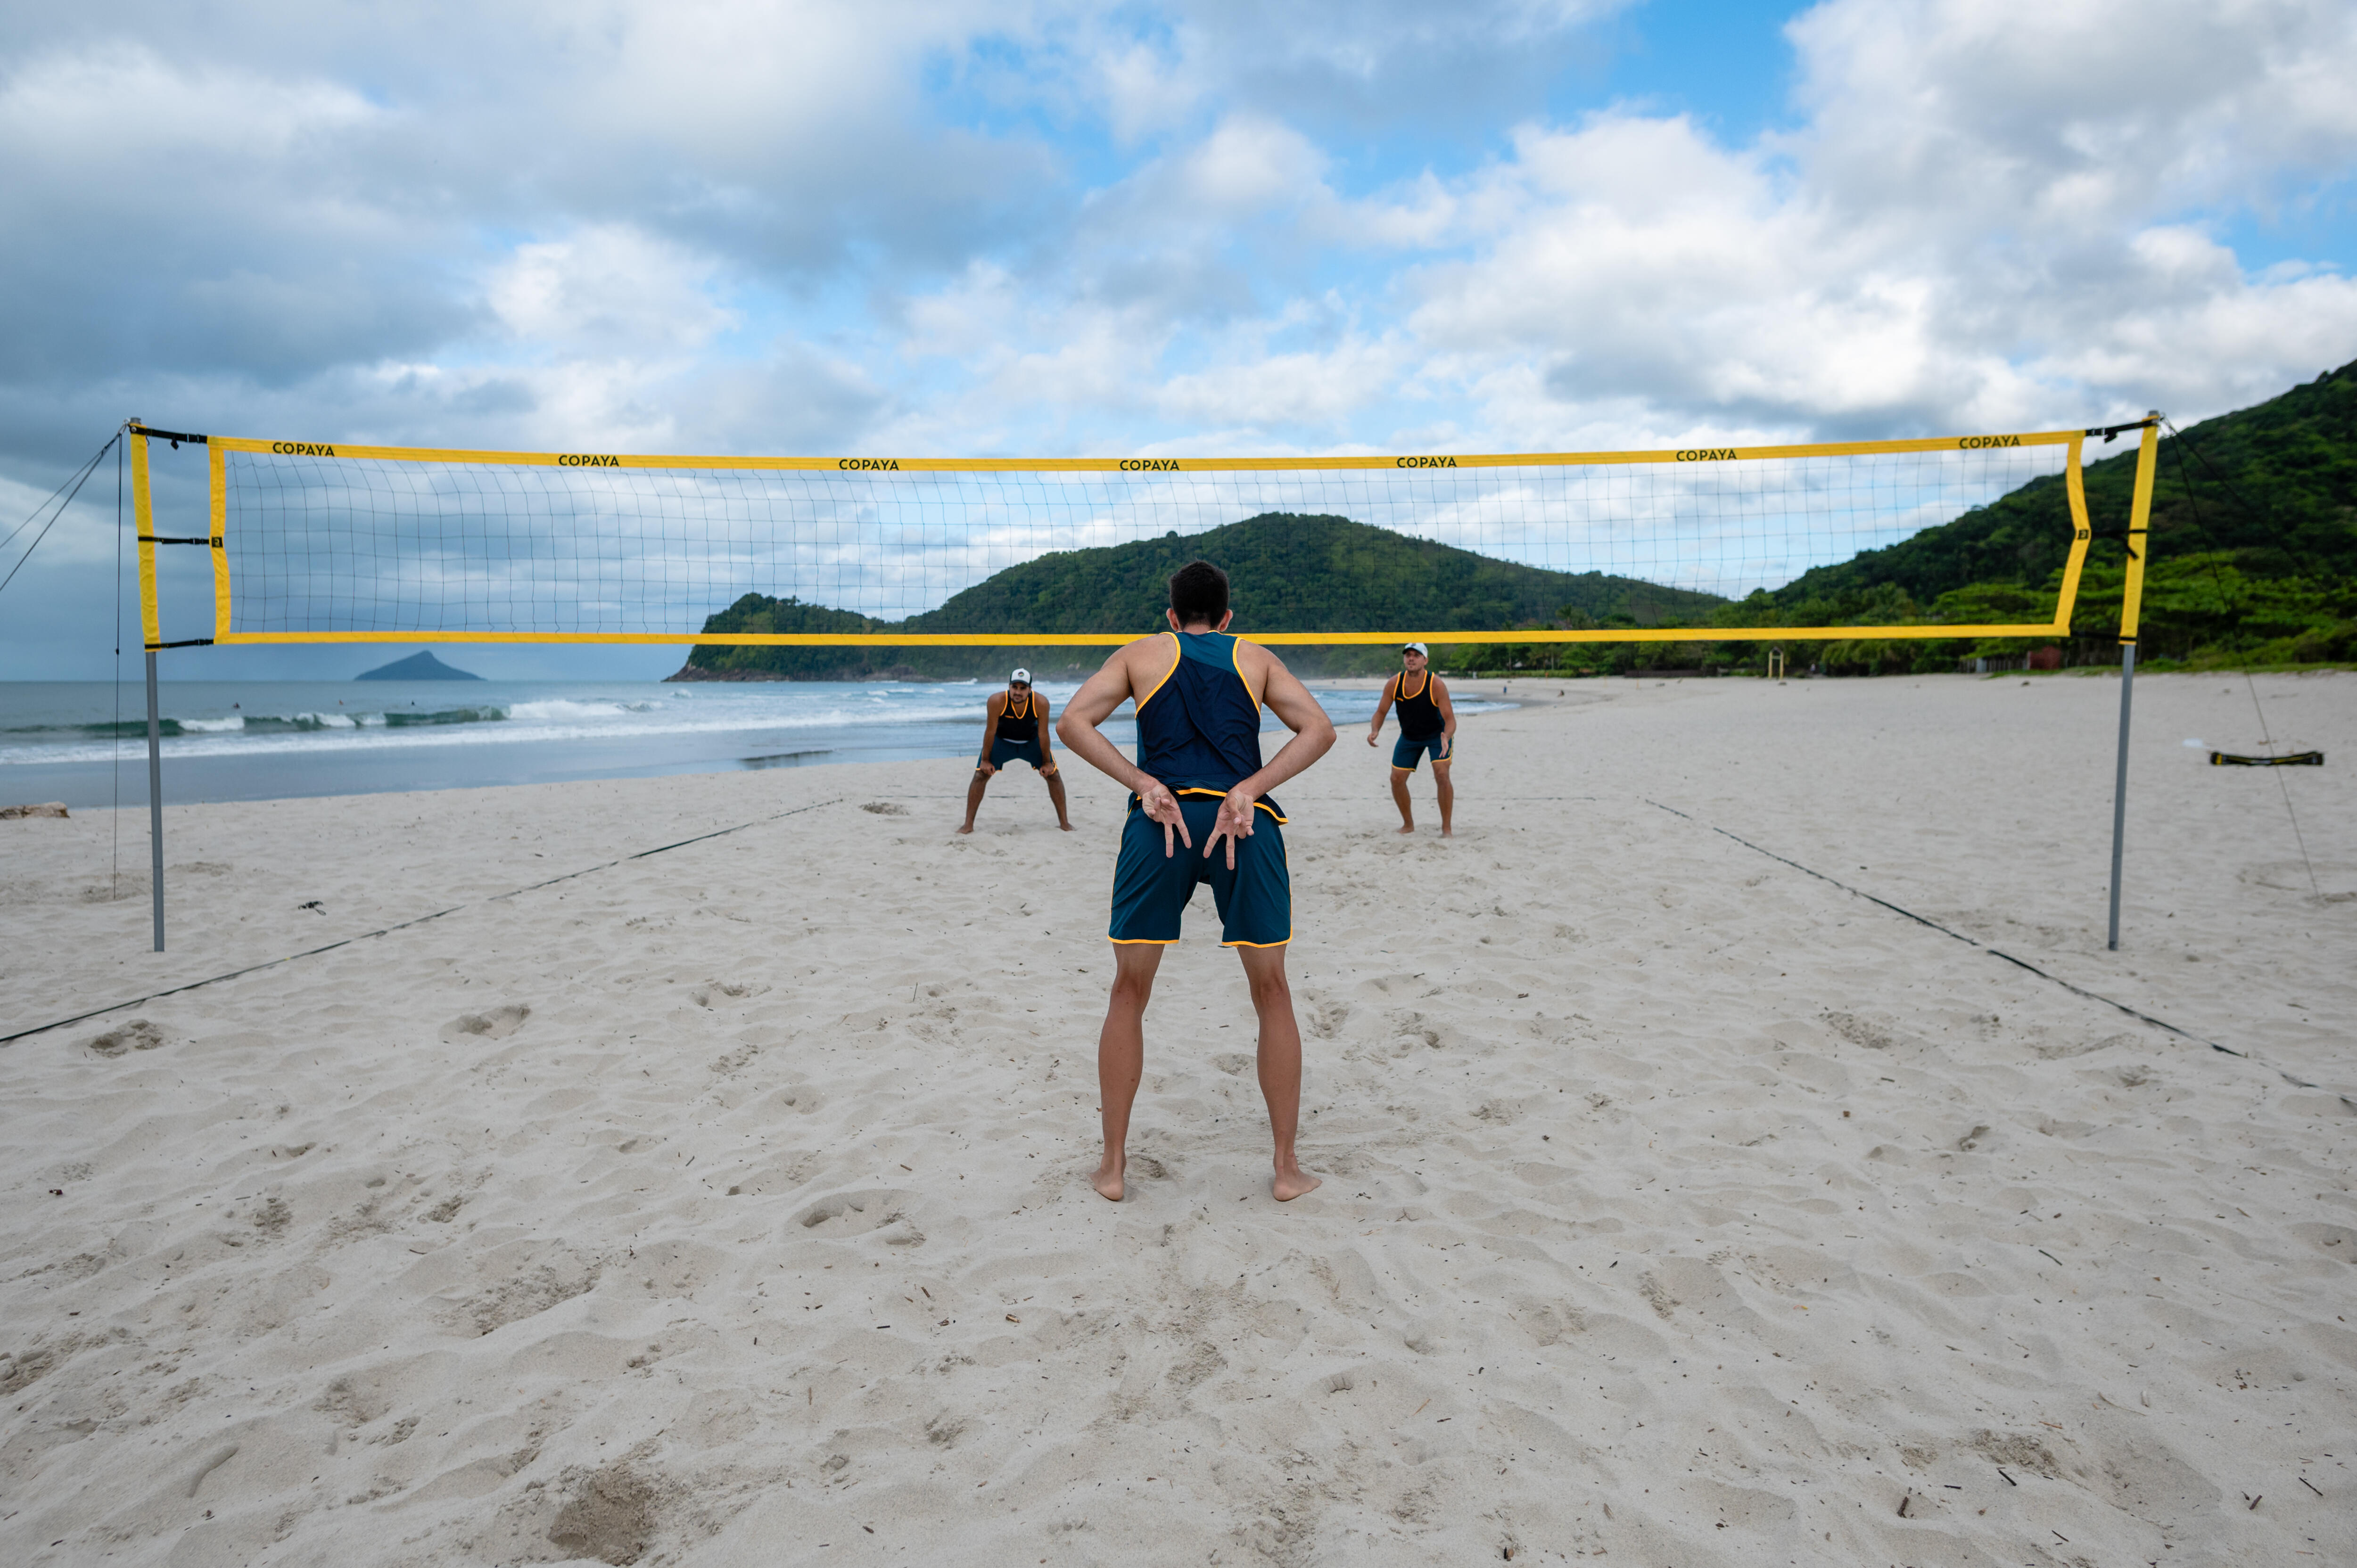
(2074,485)
(143,516)
(218,535)
(2139,519)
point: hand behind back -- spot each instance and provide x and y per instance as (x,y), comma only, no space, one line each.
(1160,806)
(1234,821)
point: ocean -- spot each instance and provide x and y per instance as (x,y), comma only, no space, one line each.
(251,740)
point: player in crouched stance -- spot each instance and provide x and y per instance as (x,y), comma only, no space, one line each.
(1011,733)
(1427,729)
(1199,778)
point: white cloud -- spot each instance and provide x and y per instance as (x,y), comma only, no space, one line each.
(1975,230)
(1362,62)
(609,222)
(2076,115)
(1315,390)
(610,286)
(1249,162)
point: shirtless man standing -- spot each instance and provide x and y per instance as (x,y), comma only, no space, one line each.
(1427,727)
(1015,729)
(1199,776)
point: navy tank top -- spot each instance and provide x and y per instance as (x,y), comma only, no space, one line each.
(1198,728)
(1419,715)
(1020,723)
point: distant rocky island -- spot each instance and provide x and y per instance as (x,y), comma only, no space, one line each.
(417,666)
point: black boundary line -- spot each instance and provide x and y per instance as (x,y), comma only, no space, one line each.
(1993,953)
(364,936)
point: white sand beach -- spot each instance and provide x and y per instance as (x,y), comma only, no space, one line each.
(728,1206)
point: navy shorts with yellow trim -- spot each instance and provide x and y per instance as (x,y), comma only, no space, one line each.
(1150,889)
(1004,751)
(1407,753)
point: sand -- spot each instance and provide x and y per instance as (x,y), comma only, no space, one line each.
(728,1205)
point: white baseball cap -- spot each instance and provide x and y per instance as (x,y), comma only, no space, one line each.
(1417,648)
(1022,675)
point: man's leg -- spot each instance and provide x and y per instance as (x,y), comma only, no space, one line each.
(1121,1056)
(1280,1063)
(1399,798)
(1448,794)
(974,798)
(1056,794)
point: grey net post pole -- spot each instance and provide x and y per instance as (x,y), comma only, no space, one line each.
(2119,788)
(2131,611)
(155,802)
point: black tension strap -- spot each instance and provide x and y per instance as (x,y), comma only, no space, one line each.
(177,436)
(174,539)
(2111,433)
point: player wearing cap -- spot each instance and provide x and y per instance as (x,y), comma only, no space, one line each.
(1015,726)
(1427,729)
(1198,775)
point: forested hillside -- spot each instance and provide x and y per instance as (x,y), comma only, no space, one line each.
(1291,572)
(2253,545)
(2254,558)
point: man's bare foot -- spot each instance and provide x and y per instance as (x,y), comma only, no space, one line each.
(1065,826)
(1409,829)
(1286,1185)
(967,829)
(1446,833)
(1106,1179)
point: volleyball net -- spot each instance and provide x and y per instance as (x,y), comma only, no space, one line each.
(327,541)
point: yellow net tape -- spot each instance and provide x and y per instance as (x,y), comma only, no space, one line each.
(333,542)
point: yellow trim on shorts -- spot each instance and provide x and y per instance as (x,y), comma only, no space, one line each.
(1221,795)
(1143,942)
(1288,931)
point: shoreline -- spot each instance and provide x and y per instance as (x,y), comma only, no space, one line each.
(300,740)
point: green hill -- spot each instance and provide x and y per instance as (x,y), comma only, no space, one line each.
(2253,548)
(1292,573)
(2254,559)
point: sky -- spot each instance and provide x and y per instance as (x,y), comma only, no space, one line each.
(1007,228)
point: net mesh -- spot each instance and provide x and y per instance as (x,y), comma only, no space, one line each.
(347,544)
